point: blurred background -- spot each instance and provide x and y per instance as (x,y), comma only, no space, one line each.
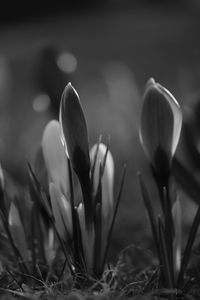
(108,49)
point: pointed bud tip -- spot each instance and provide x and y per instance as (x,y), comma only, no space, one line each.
(150,82)
(69,92)
(68,87)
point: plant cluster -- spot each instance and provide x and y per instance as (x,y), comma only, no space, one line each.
(71,209)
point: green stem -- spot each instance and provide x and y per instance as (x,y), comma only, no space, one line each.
(169,225)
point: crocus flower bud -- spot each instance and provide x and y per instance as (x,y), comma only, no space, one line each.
(61,212)
(75,139)
(74,131)
(55,157)
(160,127)
(107,177)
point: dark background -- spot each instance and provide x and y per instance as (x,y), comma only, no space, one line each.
(111,49)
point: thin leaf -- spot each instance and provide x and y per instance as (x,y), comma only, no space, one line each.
(33,237)
(98,242)
(39,198)
(17,232)
(150,210)
(186,180)
(2,198)
(189,245)
(165,260)
(16,251)
(176,212)
(80,263)
(169,228)
(113,218)
(36,193)
(40,170)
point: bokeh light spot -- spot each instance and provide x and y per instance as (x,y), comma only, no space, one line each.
(41,103)
(67,62)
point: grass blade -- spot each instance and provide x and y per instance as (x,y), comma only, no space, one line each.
(189,245)
(186,180)
(176,212)
(114,217)
(150,210)
(17,231)
(98,241)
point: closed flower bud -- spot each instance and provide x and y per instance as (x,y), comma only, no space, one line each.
(107,179)
(55,157)
(160,127)
(61,212)
(74,131)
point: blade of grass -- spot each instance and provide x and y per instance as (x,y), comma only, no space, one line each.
(33,238)
(186,180)
(189,245)
(76,234)
(176,211)
(17,232)
(150,210)
(114,217)
(169,229)
(80,261)
(17,254)
(98,241)
(37,194)
(44,202)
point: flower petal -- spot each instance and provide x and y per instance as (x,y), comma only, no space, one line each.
(178,117)
(55,157)
(160,128)
(88,237)
(107,180)
(61,211)
(74,132)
